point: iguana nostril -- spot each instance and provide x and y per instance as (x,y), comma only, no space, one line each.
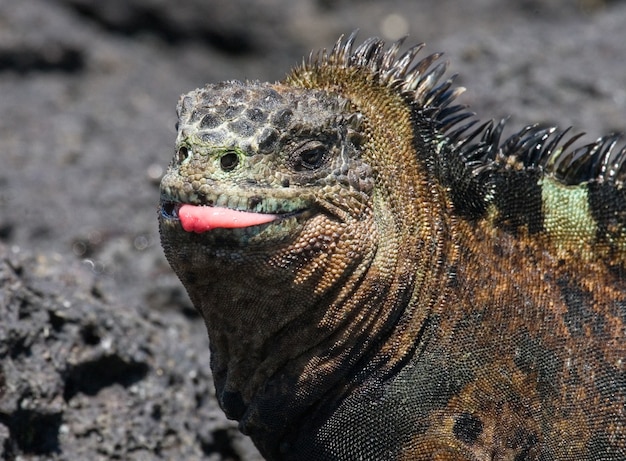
(182,154)
(229,161)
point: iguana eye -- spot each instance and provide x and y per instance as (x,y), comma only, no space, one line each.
(229,161)
(310,156)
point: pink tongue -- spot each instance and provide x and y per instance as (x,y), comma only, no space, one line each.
(204,218)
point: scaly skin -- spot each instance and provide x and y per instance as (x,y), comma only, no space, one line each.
(422,291)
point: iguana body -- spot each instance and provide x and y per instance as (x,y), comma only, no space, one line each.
(401,285)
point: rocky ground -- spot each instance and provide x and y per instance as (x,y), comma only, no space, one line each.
(102,356)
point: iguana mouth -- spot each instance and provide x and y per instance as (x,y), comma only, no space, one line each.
(203,218)
(204,215)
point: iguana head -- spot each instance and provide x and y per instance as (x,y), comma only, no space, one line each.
(264,165)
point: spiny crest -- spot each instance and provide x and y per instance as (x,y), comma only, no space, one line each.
(481,147)
(419,81)
(550,149)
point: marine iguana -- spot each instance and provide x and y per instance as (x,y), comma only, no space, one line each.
(384,277)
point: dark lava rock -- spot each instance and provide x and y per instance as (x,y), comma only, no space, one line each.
(81,378)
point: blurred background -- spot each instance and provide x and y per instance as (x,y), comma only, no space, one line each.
(101,353)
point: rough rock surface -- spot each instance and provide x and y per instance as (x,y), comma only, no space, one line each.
(82,378)
(101,353)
